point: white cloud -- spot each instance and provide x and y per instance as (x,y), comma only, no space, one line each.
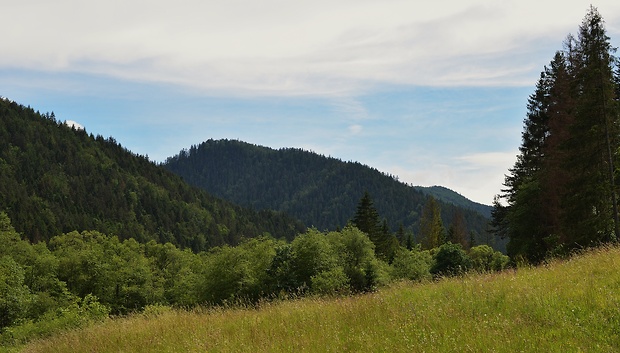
(280,47)
(74,124)
(477,176)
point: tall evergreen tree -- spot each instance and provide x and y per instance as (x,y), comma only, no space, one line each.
(367,220)
(432,232)
(561,191)
(591,215)
(366,216)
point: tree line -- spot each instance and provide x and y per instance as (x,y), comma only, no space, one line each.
(78,277)
(562,192)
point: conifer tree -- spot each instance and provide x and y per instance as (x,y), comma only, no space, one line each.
(431,226)
(366,217)
(591,215)
(562,193)
(367,220)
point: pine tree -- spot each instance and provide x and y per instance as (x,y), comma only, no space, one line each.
(591,215)
(457,232)
(366,217)
(561,193)
(367,220)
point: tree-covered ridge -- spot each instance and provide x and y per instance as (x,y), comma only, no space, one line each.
(562,192)
(321,191)
(449,196)
(56,179)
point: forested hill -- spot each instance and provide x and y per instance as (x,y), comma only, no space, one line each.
(444,194)
(321,191)
(56,179)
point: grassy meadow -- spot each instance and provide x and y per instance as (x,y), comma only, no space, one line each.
(565,306)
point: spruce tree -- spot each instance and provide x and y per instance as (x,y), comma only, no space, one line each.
(561,193)
(591,214)
(367,220)
(432,232)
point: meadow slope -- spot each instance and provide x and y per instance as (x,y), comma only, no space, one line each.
(565,306)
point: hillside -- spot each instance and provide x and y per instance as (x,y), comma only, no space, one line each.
(321,191)
(565,306)
(450,196)
(55,179)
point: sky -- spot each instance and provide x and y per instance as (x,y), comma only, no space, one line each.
(432,93)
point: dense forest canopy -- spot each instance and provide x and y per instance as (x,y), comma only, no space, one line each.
(562,192)
(320,191)
(56,179)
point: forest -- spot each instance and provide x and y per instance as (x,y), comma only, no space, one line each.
(562,192)
(56,179)
(320,191)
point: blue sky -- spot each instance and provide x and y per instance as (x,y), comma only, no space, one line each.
(433,93)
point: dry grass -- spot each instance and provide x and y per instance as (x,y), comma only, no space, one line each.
(566,306)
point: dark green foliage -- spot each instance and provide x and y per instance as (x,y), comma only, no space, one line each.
(321,191)
(55,179)
(449,196)
(366,219)
(450,260)
(432,231)
(562,193)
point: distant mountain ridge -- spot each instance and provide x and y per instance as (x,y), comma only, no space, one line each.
(55,179)
(320,191)
(444,194)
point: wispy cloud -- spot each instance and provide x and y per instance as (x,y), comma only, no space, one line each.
(278,48)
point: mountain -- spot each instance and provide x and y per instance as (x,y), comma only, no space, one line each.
(55,179)
(320,191)
(450,196)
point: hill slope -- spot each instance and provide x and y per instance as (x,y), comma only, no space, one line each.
(55,179)
(565,306)
(450,196)
(321,191)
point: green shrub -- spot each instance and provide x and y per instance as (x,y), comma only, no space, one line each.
(412,264)
(333,281)
(484,259)
(450,260)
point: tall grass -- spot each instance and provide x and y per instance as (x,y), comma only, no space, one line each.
(565,306)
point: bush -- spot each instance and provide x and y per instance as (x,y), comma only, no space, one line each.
(333,281)
(450,260)
(311,254)
(413,265)
(356,255)
(80,313)
(484,259)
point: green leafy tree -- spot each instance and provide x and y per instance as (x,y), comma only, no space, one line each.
(311,254)
(450,260)
(356,256)
(14,294)
(414,265)
(485,259)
